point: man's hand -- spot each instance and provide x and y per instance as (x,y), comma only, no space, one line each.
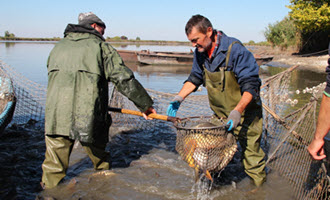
(149,111)
(174,106)
(234,119)
(316,149)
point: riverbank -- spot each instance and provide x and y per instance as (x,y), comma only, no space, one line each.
(290,57)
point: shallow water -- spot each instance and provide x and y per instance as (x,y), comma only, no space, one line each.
(145,165)
(21,155)
(161,174)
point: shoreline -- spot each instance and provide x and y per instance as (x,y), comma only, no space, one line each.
(313,63)
(316,63)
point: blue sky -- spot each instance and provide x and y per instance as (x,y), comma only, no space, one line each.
(150,20)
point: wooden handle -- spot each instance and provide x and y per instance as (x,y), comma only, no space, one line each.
(137,113)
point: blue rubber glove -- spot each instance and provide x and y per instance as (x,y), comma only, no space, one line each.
(174,106)
(234,119)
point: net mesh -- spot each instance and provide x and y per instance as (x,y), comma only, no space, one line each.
(7,100)
(287,132)
(6,90)
(31,98)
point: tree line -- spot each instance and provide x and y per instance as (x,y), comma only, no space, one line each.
(306,28)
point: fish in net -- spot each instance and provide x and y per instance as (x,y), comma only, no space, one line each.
(206,147)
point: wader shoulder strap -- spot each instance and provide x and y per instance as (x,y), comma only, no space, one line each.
(229,52)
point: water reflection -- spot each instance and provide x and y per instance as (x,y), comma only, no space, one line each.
(300,78)
(163,78)
(9,44)
(268,70)
(171,69)
(125,46)
(139,47)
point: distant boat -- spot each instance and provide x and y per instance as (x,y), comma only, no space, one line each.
(128,55)
(165,58)
(7,102)
(180,58)
(263,59)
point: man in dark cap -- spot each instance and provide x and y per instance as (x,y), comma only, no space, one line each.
(89,19)
(79,69)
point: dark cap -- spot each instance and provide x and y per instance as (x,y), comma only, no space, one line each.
(89,18)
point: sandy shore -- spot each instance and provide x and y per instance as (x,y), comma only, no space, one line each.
(316,63)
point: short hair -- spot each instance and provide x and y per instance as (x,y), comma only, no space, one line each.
(198,21)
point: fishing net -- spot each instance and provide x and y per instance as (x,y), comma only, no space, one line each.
(30,98)
(204,145)
(7,100)
(288,128)
(6,90)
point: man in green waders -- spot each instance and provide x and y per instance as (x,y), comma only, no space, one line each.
(79,69)
(231,76)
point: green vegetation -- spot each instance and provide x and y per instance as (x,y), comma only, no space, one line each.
(307,27)
(312,19)
(30,39)
(263,43)
(282,34)
(9,35)
(310,16)
(253,43)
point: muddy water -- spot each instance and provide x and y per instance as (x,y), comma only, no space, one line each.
(21,155)
(144,166)
(158,173)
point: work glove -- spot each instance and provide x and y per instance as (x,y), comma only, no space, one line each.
(234,119)
(174,106)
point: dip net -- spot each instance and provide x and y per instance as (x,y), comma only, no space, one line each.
(288,128)
(204,144)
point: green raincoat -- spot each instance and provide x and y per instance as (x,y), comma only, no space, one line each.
(79,69)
